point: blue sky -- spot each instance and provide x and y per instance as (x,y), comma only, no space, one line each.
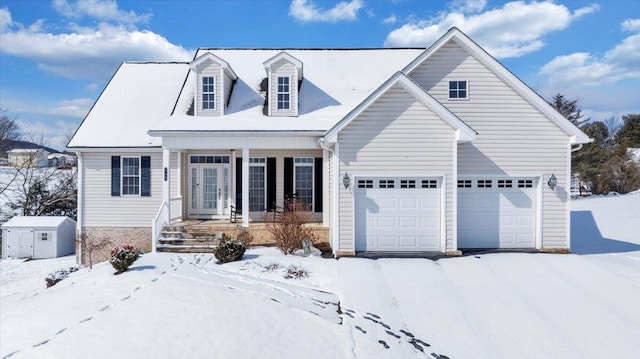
(56,56)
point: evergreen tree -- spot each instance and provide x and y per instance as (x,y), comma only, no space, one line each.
(629,134)
(568,109)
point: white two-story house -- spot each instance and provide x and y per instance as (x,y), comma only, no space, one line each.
(394,150)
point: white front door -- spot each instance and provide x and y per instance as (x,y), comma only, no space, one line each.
(209,186)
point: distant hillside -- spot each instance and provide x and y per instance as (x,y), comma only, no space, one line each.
(13,144)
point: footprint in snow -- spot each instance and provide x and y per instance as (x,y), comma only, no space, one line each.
(61,331)
(155,279)
(163,272)
(409,334)
(438,356)
(393,334)
(85,320)
(10,354)
(378,322)
(125,298)
(416,345)
(137,288)
(373,315)
(41,343)
(384,344)
(360,329)
(349,314)
(106,307)
(421,342)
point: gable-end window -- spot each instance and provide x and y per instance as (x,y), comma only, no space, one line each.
(208,93)
(284,93)
(131,175)
(303,180)
(458,90)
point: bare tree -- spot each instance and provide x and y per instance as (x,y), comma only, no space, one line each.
(9,128)
(90,245)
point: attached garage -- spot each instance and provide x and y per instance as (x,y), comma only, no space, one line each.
(38,237)
(397,214)
(497,212)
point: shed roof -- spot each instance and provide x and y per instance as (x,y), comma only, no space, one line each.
(36,221)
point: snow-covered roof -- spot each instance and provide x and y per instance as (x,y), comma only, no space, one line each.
(35,221)
(138,95)
(335,81)
(27,150)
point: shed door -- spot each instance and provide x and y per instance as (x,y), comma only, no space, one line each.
(20,243)
(496,212)
(397,214)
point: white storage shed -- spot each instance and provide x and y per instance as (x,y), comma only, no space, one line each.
(38,237)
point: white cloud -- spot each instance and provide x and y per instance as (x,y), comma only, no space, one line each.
(515,29)
(74,108)
(390,20)
(631,25)
(586,10)
(91,53)
(98,9)
(468,6)
(5,18)
(308,11)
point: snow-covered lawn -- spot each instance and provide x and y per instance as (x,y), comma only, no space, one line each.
(501,305)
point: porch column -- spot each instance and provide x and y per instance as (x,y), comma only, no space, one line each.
(166,183)
(245,187)
(326,207)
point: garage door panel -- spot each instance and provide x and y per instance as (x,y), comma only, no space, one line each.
(397,219)
(496,217)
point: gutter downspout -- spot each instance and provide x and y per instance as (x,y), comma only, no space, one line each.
(80,204)
(577,148)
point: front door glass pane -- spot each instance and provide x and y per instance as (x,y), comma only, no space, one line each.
(194,188)
(209,188)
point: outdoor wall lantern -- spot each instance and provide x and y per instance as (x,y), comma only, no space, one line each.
(552,182)
(346,181)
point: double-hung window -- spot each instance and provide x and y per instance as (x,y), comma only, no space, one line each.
(208,93)
(303,180)
(257,183)
(130,175)
(284,93)
(458,90)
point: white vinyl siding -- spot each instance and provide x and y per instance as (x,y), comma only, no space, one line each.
(103,210)
(513,139)
(228,85)
(395,136)
(283,68)
(209,69)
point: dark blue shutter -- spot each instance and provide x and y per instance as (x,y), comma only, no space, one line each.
(115,175)
(271,183)
(288,178)
(317,193)
(238,184)
(145,179)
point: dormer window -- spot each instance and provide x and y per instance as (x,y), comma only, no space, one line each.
(208,93)
(458,90)
(284,93)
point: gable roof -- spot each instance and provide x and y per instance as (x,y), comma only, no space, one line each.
(283,55)
(464,132)
(576,135)
(137,96)
(207,56)
(36,221)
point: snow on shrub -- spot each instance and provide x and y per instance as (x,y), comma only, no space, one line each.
(296,272)
(229,250)
(54,277)
(123,256)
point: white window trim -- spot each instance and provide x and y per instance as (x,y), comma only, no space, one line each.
(313,176)
(278,93)
(457,98)
(266,185)
(139,176)
(44,236)
(202,93)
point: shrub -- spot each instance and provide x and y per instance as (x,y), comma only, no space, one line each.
(246,237)
(229,250)
(122,257)
(295,272)
(288,228)
(55,277)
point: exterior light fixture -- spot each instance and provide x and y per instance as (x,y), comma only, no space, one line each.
(552,182)
(346,181)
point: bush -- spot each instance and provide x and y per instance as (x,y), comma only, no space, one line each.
(122,257)
(288,229)
(246,237)
(229,250)
(295,272)
(55,277)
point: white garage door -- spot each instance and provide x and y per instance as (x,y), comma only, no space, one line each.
(397,214)
(496,213)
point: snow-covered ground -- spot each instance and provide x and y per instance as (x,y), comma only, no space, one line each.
(501,305)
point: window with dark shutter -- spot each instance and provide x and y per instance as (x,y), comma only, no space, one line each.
(288,178)
(238,184)
(317,195)
(115,175)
